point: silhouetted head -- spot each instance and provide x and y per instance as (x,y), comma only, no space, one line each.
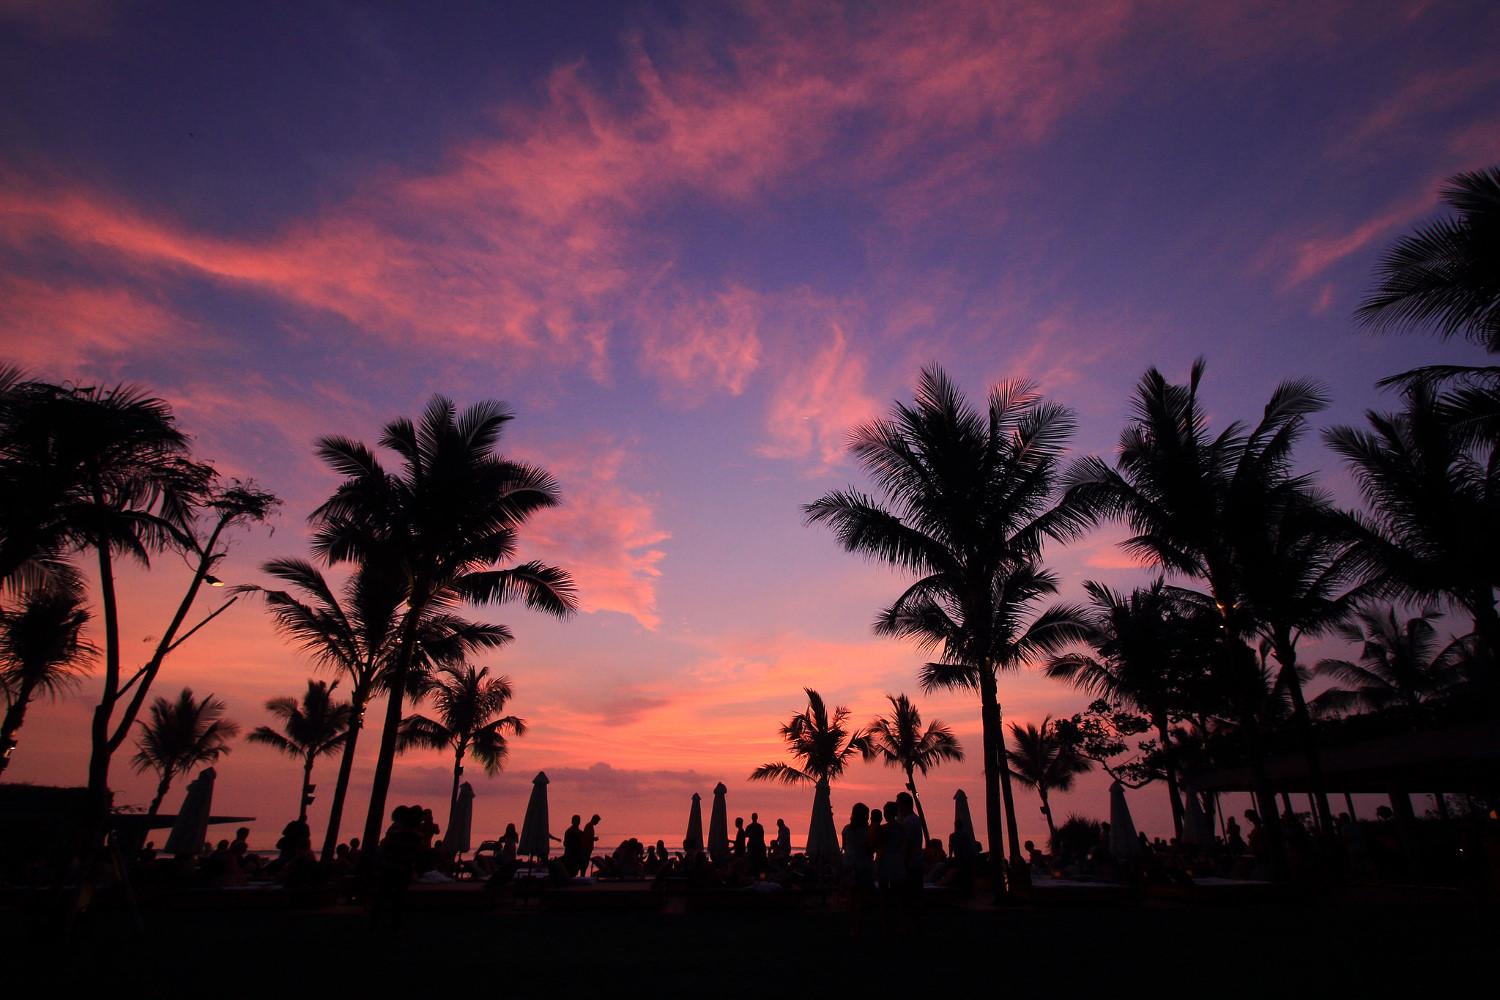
(242,833)
(510,830)
(739,822)
(1030,846)
(594,820)
(577,820)
(859,815)
(755,817)
(876,816)
(353,843)
(904,803)
(890,810)
(781,823)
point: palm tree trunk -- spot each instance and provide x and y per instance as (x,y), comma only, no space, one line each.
(161,793)
(1047,812)
(99,728)
(346,768)
(14,716)
(1169,764)
(1286,655)
(307,767)
(911,786)
(989,714)
(385,760)
(1011,830)
(458,771)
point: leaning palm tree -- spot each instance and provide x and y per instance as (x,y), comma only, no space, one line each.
(1045,762)
(179,735)
(315,727)
(445,521)
(42,650)
(968,501)
(469,703)
(900,741)
(1400,665)
(356,632)
(821,742)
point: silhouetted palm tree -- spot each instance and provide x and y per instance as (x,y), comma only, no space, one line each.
(445,520)
(968,501)
(1298,580)
(1434,498)
(42,650)
(468,702)
(179,735)
(1197,502)
(1045,762)
(1447,273)
(105,470)
(358,635)
(1400,664)
(1147,645)
(315,727)
(900,741)
(820,741)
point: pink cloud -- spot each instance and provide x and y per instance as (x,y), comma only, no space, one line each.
(64,328)
(537,240)
(817,403)
(706,342)
(604,534)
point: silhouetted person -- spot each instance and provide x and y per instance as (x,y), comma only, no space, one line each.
(739,836)
(590,838)
(1233,840)
(755,844)
(573,858)
(396,864)
(783,849)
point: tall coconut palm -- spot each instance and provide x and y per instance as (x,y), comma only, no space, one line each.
(968,501)
(1401,664)
(1434,496)
(1017,632)
(315,727)
(1197,500)
(820,741)
(43,651)
(900,741)
(469,703)
(179,735)
(356,632)
(446,520)
(1045,762)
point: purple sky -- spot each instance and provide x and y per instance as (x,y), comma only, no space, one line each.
(692,245)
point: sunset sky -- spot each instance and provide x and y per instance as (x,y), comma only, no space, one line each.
(692,245)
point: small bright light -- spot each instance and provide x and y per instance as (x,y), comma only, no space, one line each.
(213,581)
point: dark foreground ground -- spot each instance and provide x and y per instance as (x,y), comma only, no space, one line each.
(1353,942)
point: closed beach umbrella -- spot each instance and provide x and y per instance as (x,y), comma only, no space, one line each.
(961,815)
(192,819)
(693,842)
(1123,842)
(536,839)
(822,835)
(718,826)
(456,840)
